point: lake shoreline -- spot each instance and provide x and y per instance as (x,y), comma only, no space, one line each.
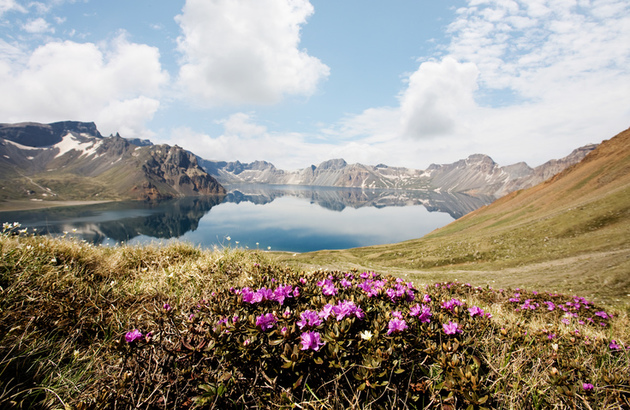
(16,205)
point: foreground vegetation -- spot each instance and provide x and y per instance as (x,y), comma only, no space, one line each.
(176,327)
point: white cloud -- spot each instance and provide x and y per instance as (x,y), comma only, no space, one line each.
(246,52)
(520,81)
(538,46)
(244,140)
(83,81)
(37,26)
(128,117)
(240,124)
(435,97)
(7,5)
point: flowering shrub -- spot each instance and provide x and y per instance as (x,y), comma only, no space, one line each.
(365,338)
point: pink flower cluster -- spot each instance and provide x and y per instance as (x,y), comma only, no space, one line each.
(477,311)
(266,321)
(371,287)
(311,340)
(450,305)
(396,325)
(135,335)
(422,312)
(451,328)
(401,291)
(278,295)
(342,310)
(328,286)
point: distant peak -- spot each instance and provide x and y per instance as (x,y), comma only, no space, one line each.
(337,163)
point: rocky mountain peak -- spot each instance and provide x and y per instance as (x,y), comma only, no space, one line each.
(332,164)
(33,134)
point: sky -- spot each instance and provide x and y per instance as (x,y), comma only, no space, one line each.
(402,83)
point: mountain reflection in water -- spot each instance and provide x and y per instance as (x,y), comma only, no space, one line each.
(296,219)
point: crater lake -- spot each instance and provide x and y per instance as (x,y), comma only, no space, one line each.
(267,217)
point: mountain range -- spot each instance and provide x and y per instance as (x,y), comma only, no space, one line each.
(72,160)
(476,175)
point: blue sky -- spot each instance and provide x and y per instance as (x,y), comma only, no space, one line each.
(293,82)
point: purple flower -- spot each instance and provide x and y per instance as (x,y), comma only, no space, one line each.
(602,314)
(309,318)
(422,312)
(565,321)
(328,287)
(397,314)
(613,345)
(326,311)
(266,321)
(282,292)
(450,305)
(451,328)
(587,386)
(415,310)
(347,308)
(311,340)
(248,295)
(371,287)
(426,298)
(551,336)
(167,307)
(133,336)
(303,281)
(529,305)
(396,325)
(345,283)
(475,311)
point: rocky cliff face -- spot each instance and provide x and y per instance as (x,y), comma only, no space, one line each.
(177,169)
(476,175)
(71,160)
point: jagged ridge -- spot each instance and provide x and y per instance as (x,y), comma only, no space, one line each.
(72,160)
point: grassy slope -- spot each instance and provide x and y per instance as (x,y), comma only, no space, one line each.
(569,234)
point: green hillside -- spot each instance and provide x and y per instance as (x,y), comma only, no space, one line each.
(570,234)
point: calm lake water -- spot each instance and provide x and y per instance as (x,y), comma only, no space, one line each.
(282,218)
